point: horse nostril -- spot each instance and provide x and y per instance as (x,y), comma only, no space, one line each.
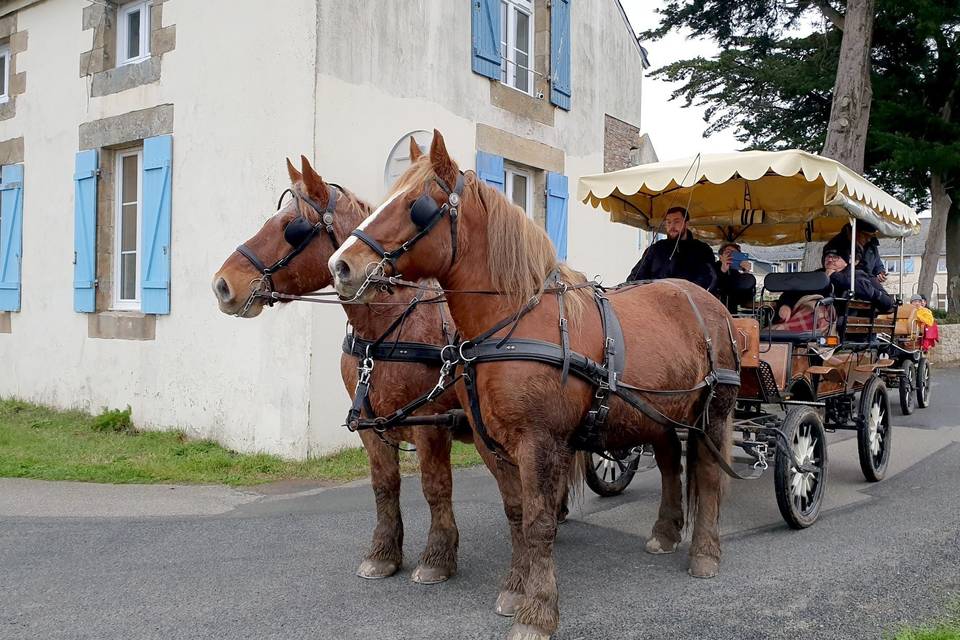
(342,270)
(222,289)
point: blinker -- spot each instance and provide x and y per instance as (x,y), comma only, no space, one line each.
(423,211)
(297,230)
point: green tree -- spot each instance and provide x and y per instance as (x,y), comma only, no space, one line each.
(774,83)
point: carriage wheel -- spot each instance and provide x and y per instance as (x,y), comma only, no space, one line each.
(907,383)
(874,437)
(800,493)
(610,477)
(923,383)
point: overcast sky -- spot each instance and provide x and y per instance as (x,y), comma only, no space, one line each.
(676,132)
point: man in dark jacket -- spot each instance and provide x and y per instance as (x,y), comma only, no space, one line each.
(868,249)
(680,255)
(835,266)
(735,287)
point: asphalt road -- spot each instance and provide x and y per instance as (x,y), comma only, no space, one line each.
(86,561)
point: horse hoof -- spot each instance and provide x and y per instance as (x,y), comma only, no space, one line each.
(429,575)
(527,632)
(704,567)
(371,569)
(507,603)
(655,547)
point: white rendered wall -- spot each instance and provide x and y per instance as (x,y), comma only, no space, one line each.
(246,97)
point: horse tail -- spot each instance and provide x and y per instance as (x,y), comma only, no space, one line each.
(576,473)
(573,488)
(718,426)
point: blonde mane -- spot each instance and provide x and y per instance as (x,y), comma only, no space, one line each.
(520,255)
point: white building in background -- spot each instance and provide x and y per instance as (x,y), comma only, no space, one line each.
(141,141)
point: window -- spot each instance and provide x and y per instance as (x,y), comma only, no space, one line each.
(516,40)
(133,33)
(791,266)
(942,302)
(519,189)
(399,159)
(127,230)
(892,266)
(4,74)
(942,264)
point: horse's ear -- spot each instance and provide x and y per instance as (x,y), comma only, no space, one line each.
(316,187)
(445,168)
(415,153)
(295,176)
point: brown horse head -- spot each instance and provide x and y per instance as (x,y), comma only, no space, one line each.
(306,271)
(496,244)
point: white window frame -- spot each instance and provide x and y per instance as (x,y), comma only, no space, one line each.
(508,174)
(125,9)
(118,303)
(791,263)
(5,54)
(942,260)
(508,44)
(892,265)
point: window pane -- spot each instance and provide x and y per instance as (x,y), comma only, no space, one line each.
(128,276)
(133,34)
(523,32)
(128,235)
(129,168)
(519,191)
(523,51)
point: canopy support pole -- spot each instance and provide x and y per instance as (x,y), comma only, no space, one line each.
(901,270)
(853,257)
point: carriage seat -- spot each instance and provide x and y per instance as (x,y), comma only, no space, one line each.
(812,284)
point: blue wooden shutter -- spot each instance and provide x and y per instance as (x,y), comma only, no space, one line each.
(155,230)
(560,90)
(11,236)
(490,169)
(85,232)
(557,197)
(486,38)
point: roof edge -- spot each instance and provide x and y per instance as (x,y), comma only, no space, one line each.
(633,33)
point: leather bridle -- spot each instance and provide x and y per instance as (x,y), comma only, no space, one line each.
(425,213)
(298,233)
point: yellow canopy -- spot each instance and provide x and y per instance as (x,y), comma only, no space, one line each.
(756,197)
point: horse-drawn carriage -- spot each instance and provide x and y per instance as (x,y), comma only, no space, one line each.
(796,385)
(644,363)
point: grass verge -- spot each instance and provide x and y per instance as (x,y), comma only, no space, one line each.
(946,627)
(42,443)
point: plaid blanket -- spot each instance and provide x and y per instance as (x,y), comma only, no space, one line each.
(802,317)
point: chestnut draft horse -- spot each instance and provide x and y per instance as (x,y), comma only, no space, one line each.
(451,226)
(392,384)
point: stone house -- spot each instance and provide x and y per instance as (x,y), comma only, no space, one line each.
(142,140)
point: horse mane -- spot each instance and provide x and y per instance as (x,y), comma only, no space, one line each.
(365,207)
(519,252)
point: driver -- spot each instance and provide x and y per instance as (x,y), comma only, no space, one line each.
(679,255)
